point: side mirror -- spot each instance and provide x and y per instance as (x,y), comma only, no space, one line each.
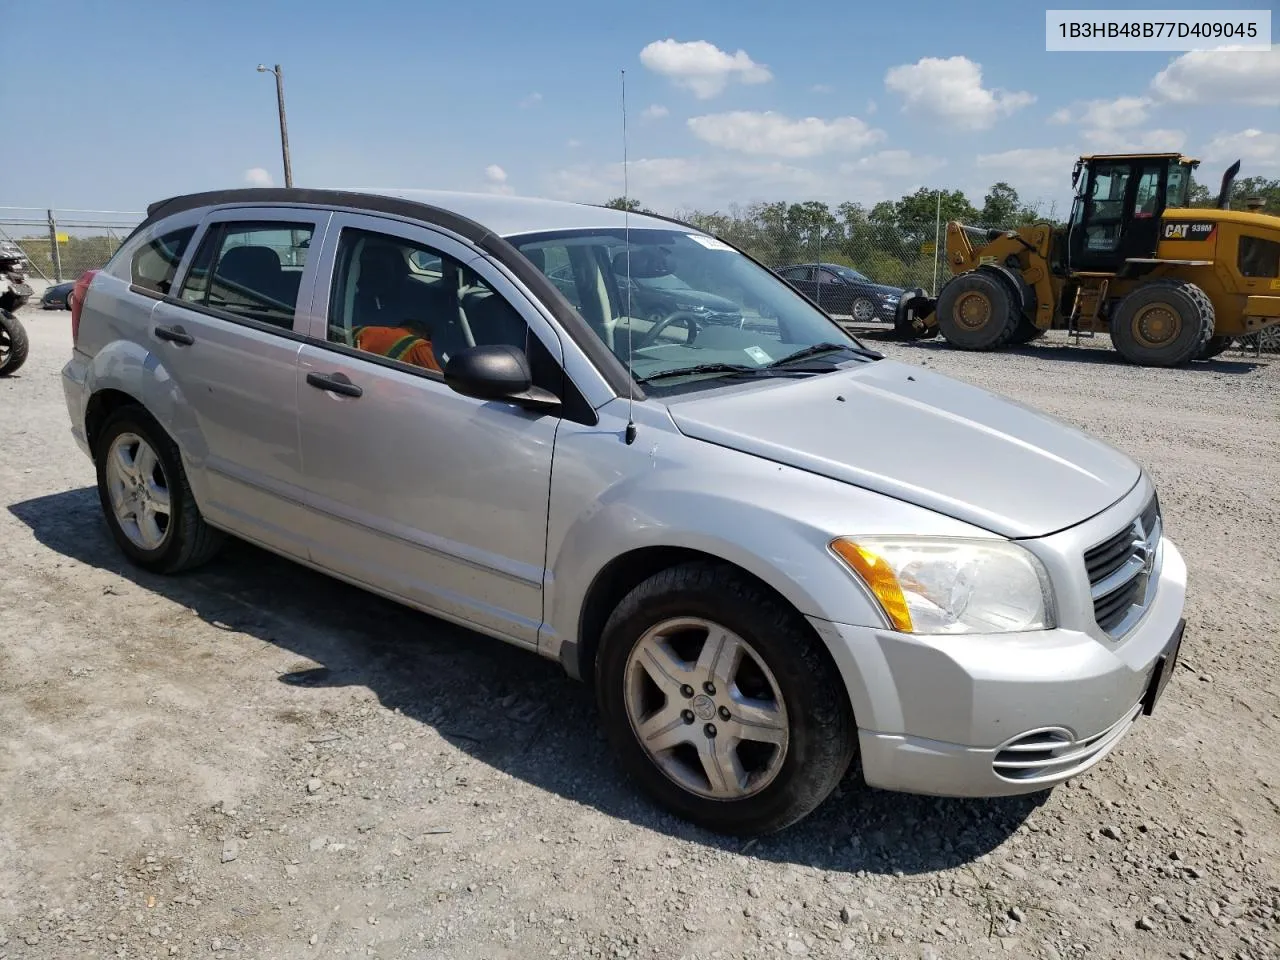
(497,371)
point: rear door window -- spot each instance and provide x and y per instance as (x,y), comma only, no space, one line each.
(251,270)
(154,264)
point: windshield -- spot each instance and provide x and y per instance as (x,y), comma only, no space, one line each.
(668,332)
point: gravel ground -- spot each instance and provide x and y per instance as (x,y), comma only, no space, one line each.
(256,761)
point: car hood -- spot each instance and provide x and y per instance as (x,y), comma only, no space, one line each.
(886,290)
(917,436)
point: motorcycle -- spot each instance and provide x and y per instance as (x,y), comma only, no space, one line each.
(14,292)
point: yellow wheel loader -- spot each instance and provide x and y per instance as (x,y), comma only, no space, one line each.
(1169,283)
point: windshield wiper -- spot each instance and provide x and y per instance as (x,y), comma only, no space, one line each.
(827,347)
(738,368)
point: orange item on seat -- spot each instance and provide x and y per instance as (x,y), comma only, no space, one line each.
(398,343)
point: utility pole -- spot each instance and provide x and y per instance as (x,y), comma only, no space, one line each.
(937,241)
(54,253)
(284,128)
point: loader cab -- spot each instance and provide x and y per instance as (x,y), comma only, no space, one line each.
(1118,204)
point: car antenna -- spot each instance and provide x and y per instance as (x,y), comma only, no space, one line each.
(626,234)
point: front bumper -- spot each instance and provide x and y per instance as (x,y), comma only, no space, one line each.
(938,715)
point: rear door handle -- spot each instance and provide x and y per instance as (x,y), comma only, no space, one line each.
(175,335)
(334,383)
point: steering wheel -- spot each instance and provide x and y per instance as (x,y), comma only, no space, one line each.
(690,321)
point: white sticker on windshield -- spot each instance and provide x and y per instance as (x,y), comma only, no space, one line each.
(711,243)
(756,354)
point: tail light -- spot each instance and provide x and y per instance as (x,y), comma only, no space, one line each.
(77,302)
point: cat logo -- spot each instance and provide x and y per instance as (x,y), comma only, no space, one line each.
(1188,230)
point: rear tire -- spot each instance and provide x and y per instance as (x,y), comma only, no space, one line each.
(134,500)
(1215,346)
(1025,332)
(976,311)
(768,664)
(1164,323)
(14,345)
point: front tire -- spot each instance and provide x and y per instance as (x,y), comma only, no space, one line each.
(146,497)
(1164,323)
(14,344)
(721,702)
(976,311)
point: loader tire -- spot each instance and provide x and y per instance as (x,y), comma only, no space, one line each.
(1214,347)
(1025,332)
(977,311)
(1164,323)
(918,301)
(13,343)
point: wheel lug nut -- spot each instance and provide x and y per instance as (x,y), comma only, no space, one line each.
(687,692)
(687,716)
(709,687)
(709,729)
(724,713)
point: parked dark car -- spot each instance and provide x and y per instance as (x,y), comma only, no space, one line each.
(657,292)
(58,297)
(843,291)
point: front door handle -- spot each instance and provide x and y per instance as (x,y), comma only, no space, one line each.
(334,383)
(175,334)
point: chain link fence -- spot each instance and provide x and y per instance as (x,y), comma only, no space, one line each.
(62,244)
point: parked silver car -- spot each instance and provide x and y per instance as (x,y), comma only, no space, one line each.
(768,548)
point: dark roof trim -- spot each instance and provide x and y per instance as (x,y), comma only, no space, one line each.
(604,359)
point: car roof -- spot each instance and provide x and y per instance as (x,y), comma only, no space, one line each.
(510,216)
(473,213)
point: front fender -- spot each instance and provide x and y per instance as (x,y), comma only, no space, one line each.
(609,498)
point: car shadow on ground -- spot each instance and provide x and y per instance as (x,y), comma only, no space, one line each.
(1098,352)
(507,707)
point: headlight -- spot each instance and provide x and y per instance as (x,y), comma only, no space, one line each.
(940,586)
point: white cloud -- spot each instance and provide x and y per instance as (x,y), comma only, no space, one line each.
(497,178)
(871,107)
(573,144)
(702,67)
(952,90)
(893,164)
(1252,147)
(820,88)
(776,135)
(1029,165)
(669,183)
(257,177)
(1061,116)
(1136,141)
(655,111)
(1227,75)
(531,100)
(1115,114)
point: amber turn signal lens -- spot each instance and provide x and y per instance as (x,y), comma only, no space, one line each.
(880,578)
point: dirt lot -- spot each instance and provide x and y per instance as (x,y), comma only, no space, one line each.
(255,761)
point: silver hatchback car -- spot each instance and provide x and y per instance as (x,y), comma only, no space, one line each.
(768,548)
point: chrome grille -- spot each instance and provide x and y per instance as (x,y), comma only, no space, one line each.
(1120,568)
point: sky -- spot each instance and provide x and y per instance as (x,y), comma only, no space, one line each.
(117,104)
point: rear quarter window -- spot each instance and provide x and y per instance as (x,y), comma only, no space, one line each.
(154,264)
